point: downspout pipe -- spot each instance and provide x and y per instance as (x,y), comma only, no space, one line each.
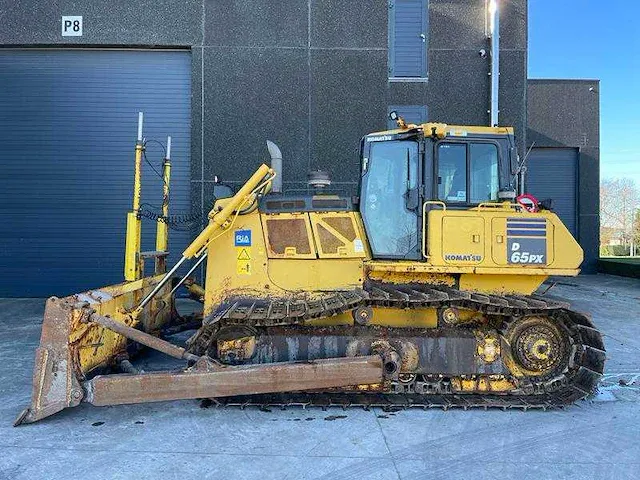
(494,32)
(276,166)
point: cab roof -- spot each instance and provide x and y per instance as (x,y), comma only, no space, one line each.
(443,130)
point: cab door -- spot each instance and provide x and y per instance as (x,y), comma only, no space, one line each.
(390,199)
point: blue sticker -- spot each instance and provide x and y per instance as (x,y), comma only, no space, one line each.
(243,238)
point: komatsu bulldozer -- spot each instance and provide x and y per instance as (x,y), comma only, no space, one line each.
(419,292)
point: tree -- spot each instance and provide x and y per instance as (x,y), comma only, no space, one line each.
(636,232)
(619,203)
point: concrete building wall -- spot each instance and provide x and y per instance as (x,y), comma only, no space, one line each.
(310,75)
(566,113)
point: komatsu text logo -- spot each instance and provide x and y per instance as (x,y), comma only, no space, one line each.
(527,240)
(380,138)
(461,257)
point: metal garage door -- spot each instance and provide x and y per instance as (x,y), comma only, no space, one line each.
(67,133)
(552,173)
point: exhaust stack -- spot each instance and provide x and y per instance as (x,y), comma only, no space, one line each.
(276,165)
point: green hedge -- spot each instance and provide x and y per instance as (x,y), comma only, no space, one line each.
(615,251)
(624,267)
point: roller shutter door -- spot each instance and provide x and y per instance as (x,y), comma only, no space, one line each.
(552,173)
(67,135)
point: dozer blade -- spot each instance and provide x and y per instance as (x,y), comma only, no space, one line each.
(71,349)
(84,333)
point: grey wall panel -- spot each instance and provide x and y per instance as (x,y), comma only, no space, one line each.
(105,22)
(514,25)
(458,88)
(349,24)
(513,94)
(566,113)
(251,96)
(67,132)
(589,206)
(241,23)
(460,25)
(552,173)
(408,93)
(457,25)
(342,111)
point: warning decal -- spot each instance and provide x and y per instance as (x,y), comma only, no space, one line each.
(243,260)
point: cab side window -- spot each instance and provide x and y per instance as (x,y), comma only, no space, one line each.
(452,172)
(467,172)
(484,172)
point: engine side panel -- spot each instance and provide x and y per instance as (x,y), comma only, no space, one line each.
(500,238)
(285,255)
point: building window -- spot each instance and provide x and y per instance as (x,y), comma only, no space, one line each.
(410,113)
(467,172)
(408,29)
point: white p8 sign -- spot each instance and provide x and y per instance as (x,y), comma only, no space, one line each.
(72,26)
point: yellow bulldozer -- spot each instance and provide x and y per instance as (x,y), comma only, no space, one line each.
(419,292)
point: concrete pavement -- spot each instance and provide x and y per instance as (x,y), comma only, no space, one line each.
(599,438)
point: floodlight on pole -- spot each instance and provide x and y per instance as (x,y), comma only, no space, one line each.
(493,10)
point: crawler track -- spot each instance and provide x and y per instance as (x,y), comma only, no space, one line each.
(577,380)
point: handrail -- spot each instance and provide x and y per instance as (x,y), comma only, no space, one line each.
(425,224)
(498,205)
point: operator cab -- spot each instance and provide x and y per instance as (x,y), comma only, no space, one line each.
(461,167)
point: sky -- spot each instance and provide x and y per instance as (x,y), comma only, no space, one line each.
(595,39)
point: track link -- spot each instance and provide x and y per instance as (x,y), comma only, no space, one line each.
(586,362)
